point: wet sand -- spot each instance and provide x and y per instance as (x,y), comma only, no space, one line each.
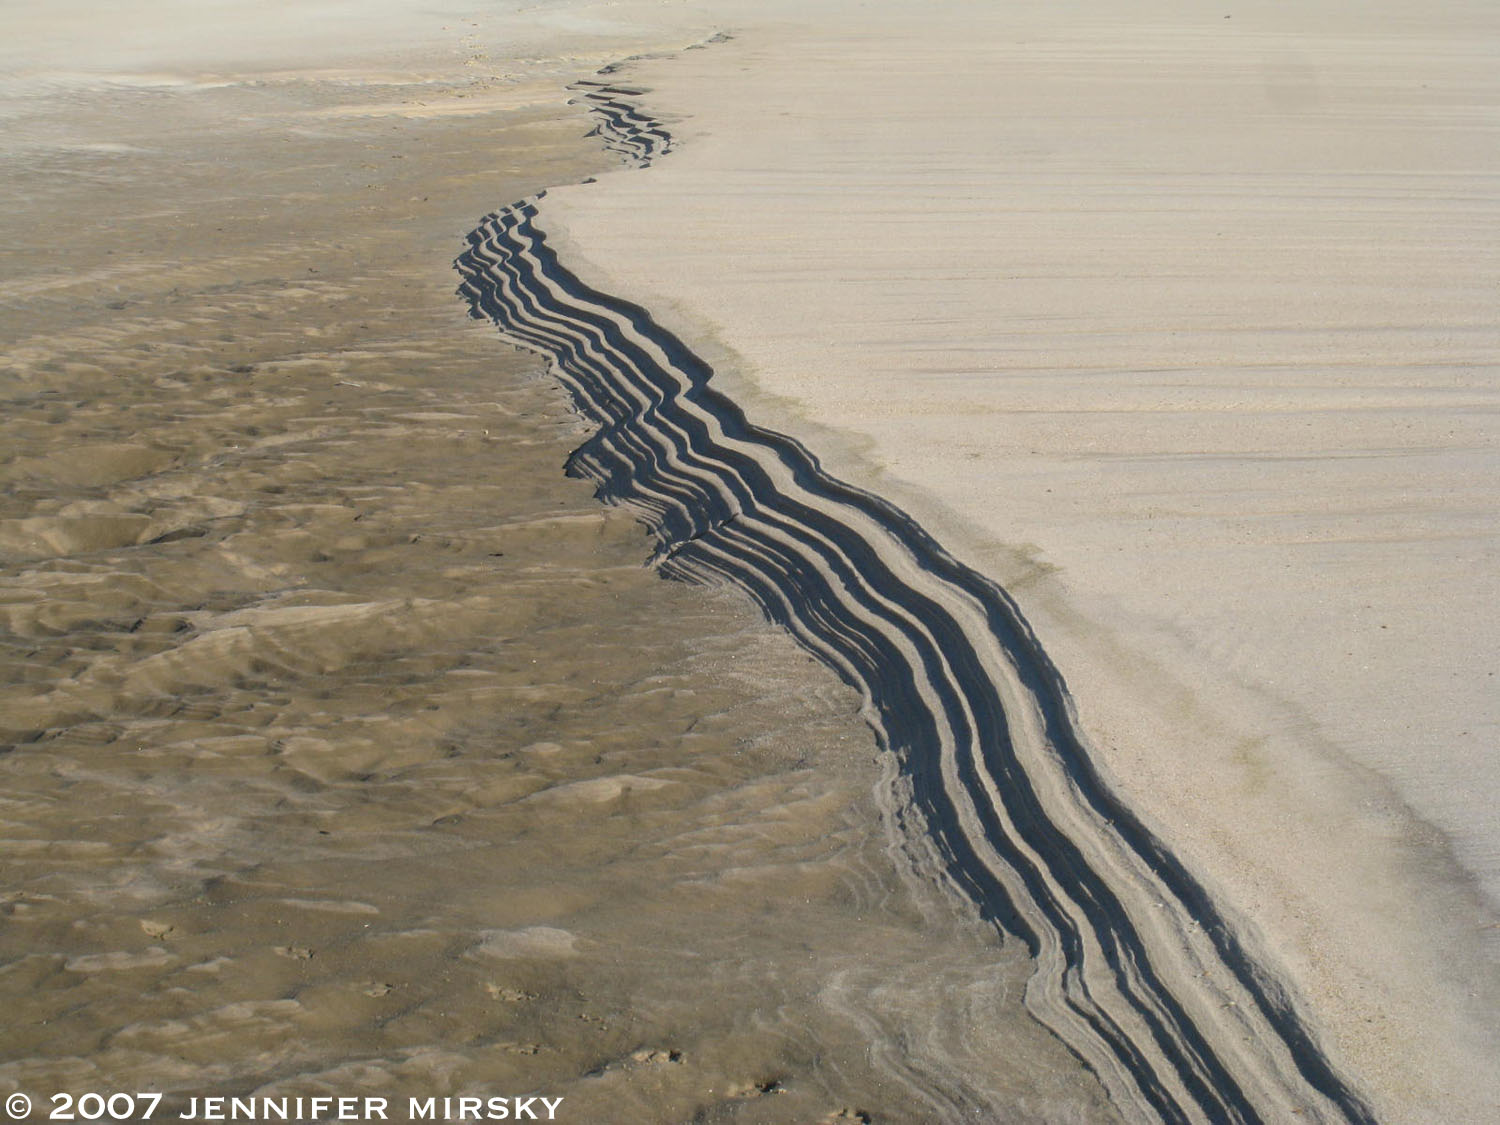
(350,748)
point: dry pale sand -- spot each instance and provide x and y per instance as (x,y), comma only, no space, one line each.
(1181,324)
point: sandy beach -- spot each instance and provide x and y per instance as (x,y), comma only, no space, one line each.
(1109,729)
(1183,331)
(351,748)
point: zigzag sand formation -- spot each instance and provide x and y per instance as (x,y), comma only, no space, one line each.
(1136,971)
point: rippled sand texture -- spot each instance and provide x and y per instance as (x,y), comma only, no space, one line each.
(350,748)
(1179,324)
(1134,969)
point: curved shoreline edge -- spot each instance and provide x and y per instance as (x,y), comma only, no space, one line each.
(1136,971)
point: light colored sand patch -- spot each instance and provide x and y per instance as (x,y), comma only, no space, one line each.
(532,941)
(600,790)
(185,46)
(485,99)
(300,617)
(332,906)
(260,1015)
(119,961)
(1180,326)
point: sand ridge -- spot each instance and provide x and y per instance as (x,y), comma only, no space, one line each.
(1180,329)
(997,796)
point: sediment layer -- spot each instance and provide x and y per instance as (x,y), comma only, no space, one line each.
(998,800)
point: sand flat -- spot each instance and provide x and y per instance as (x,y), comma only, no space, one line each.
(1176,325)
(1183,329)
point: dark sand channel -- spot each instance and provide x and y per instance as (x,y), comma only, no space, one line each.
(350,748)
